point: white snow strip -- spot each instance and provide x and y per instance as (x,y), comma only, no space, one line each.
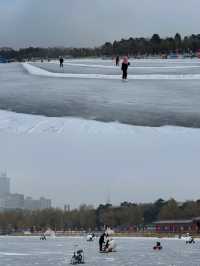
(132,67)
(13,254)
(33,70)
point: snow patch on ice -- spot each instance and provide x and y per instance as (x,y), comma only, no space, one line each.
(14,254)
(31,124)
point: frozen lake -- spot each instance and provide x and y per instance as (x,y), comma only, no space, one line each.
(22,251)
(72,148)
(147,102)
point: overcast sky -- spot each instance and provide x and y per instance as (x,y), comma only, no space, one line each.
(92,22)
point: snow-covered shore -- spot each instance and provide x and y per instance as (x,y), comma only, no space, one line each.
(26,123)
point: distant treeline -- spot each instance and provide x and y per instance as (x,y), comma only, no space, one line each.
(132,47)
(124,217)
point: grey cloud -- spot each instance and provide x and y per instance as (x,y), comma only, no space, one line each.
(92,22)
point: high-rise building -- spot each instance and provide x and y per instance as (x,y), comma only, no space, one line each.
(14,201)
(44,203)
(32,204)
(2,203)
(67,207)
(4,185)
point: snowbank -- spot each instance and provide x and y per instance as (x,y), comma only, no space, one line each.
(26,123)
(33,70)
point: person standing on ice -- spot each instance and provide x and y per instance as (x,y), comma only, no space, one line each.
(101,242)
(117,60)
(124,68)
(61,61)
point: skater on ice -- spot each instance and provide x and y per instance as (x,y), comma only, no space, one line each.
(125,65)
(117,60)
(61,60)
(101,242)
(90,237)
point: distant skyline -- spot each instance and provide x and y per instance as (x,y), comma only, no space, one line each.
(90,23)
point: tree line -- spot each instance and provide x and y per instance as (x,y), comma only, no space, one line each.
(133,47)
(127,216)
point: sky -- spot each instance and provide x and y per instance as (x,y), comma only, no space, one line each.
(88,23)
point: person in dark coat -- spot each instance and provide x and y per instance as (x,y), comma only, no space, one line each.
(101,241)
(117,61)
(124,68)
(61,61)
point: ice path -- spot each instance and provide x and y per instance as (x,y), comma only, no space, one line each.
(33,70)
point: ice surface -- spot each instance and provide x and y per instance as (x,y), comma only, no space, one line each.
(137,67)
(132,251)
(41,72)
(137,102)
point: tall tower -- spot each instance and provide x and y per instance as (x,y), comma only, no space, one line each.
(4,185)
(108,199)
